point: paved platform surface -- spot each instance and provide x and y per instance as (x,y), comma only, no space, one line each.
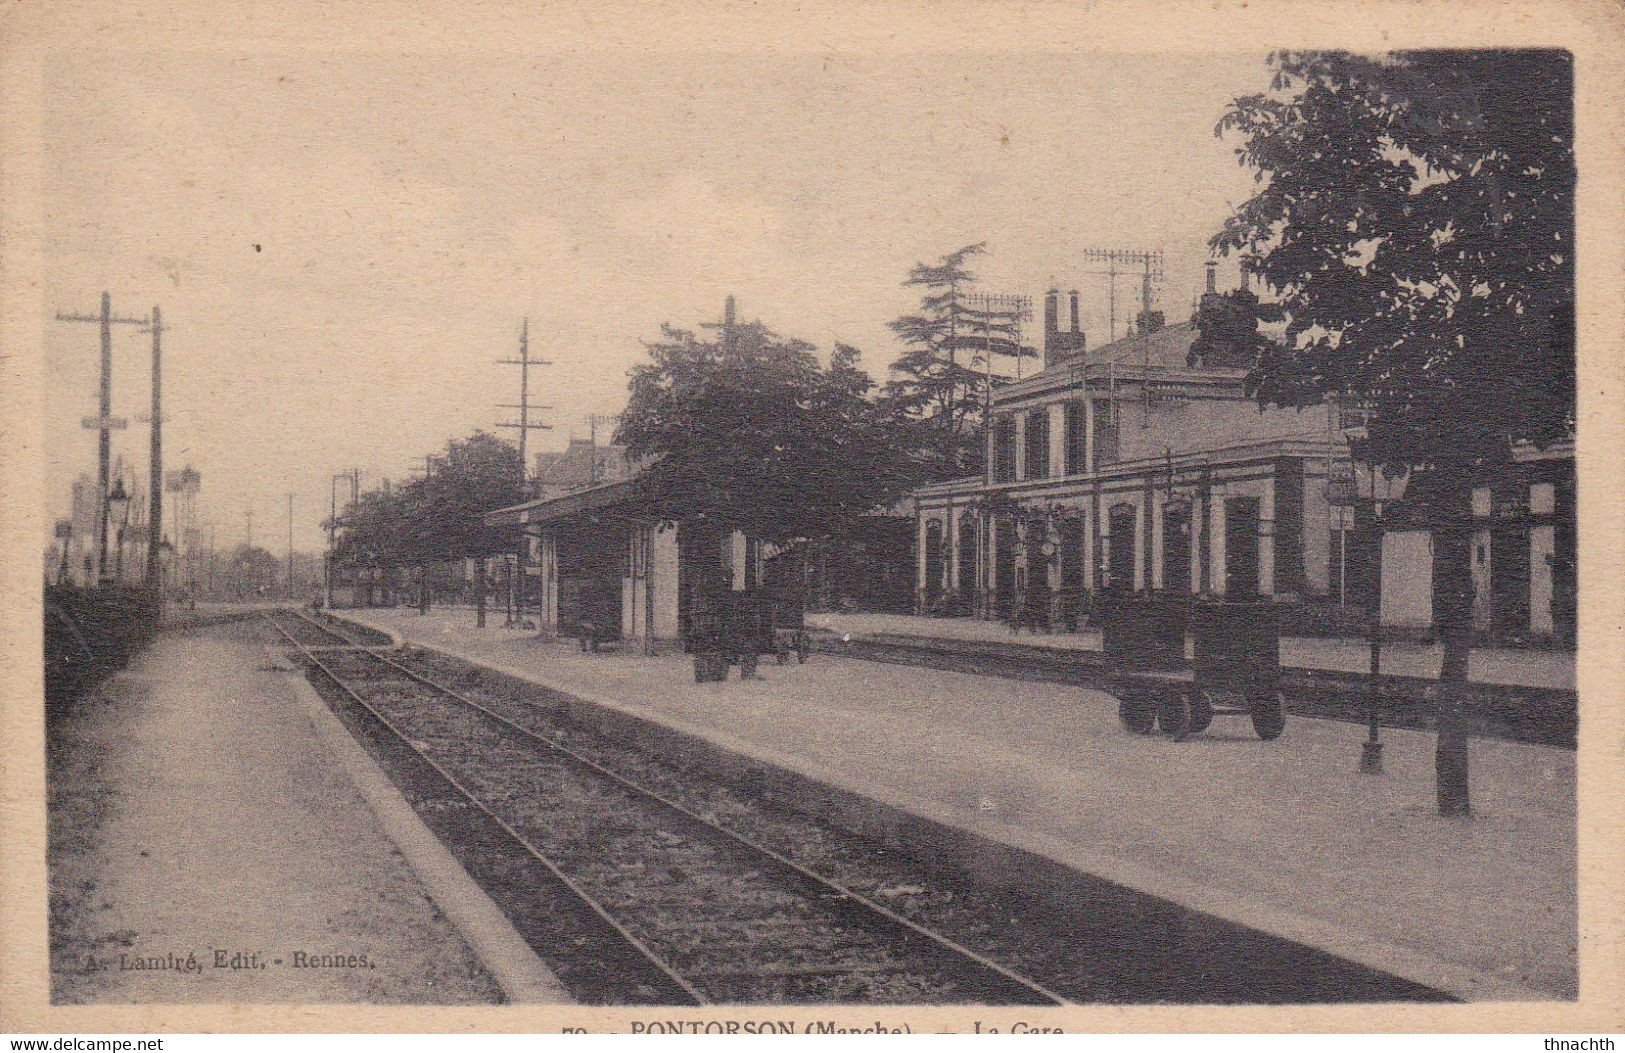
(1522,667)
(1285,836)
(195,811)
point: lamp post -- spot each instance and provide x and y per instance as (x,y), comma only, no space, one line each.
(1371,748)
(116,506)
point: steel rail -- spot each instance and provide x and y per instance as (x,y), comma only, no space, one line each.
(306,617)
(951,948)
(541,857)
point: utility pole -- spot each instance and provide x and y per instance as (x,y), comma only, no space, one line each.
(593,420)
(1150,263)
(354,476)
(248,518)
(332,524)
(290,546)
(524,423)
(104,423)
(516,590)
(155,477)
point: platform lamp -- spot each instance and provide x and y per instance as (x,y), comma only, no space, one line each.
(1371,748)
(118,507)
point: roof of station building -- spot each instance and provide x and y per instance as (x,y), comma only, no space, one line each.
(1165,351)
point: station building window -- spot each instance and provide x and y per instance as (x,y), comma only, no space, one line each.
(1004,449)
(1105,434)
(1037,461)
(1075,436)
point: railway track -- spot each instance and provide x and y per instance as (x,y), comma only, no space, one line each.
(676,907)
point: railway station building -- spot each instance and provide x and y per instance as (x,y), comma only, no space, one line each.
(598,558)
(1139,467)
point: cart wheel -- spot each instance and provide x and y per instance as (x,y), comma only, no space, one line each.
(1135,711)
(1174,715)
(1201,707)
(1269,716)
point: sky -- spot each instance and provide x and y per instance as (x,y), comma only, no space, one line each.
(344,245)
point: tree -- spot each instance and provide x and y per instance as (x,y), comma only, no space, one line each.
(472,477)
(749,432)
(1415,225)
(250,572)
(438,518)
(1227,330)
(937,392)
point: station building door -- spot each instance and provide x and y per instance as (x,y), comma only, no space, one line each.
(1120,543)
(704,564)
(933,561)
(1241,578)
(967,561)
(1509,580)
(1004,567)
(1176,546)
(591,560)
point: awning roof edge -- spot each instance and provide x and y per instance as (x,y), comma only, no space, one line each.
(547,509)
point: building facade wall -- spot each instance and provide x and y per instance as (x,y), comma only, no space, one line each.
(1407,579)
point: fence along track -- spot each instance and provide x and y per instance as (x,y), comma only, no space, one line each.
(986,977)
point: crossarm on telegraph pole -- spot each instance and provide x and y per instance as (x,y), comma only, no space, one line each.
(104,423)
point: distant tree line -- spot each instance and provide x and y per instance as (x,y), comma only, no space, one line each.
(437,518)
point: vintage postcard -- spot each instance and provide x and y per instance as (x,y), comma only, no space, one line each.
(724,518)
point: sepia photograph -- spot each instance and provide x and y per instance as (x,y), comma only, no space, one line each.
(685,536)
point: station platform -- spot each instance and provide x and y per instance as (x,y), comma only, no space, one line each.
(208,847)
(1285,837)
(1509,666)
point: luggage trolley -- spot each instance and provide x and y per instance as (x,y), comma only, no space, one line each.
(785,633)
(1144,642)
(728,628)
(1235,671)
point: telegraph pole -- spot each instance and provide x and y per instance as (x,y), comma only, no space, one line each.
(104,423)
(524,423)
(248,518)
(1150,263)
(332,523)
(593,420)
(516,592)
(354,475)
(290,546)
(155,480)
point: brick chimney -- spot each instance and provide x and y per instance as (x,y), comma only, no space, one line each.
(1059,345)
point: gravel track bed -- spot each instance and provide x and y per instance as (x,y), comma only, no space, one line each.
(736,929)
(544,914)
(305,632)
(1002,926)
(352,632)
